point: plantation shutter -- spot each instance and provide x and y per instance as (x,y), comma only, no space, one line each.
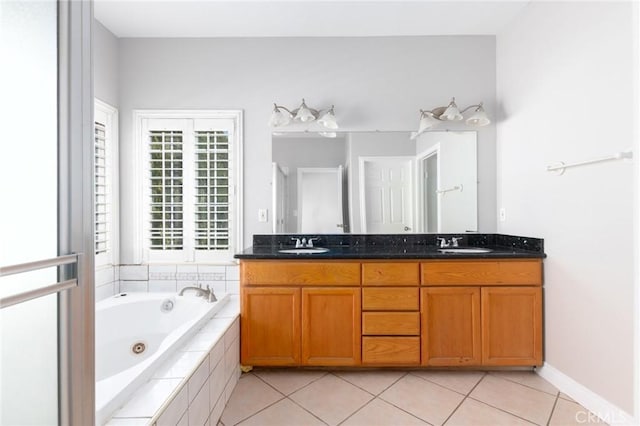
(102,193)
(166,191)
(189,192)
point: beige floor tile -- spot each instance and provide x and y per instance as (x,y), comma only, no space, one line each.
(569,413)
(514,398)
(250,396)
(567,397)
(282,413)
(289,381)
(372,381)
(331,399)
(459,381)
(475,413)
(528,378)
(381,413)
(423,399)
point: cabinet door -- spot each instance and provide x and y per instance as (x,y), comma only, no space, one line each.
(451,326)
(270,323)
(331,326)
(512,325)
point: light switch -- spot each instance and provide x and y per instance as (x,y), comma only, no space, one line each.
(262,215)
(503,214)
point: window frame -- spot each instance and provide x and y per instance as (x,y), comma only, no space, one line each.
(111,256)
(142,253)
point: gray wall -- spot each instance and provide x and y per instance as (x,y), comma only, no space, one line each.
(573,57)
(375,83)
(106,65)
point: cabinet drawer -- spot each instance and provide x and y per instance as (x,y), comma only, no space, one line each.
(391,323)
(478,272)
(391,350)
(390,299)
(388,273)
(300,273)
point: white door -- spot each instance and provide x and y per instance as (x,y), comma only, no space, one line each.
(386,194)
(320,200)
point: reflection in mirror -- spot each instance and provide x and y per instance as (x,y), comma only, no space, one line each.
(375,182)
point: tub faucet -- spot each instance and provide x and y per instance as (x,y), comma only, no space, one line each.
(201,292)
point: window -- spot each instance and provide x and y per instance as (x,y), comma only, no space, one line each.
(105,189)
(190,205)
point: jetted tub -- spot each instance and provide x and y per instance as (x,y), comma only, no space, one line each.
(135,334)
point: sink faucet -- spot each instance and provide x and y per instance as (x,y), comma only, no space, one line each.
(444,243)
(304,243)
(201,292)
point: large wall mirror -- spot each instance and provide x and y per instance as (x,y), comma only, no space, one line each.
(375,183)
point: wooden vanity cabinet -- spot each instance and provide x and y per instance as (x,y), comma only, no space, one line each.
(512,325)
(451,331)
(331,326)
(482,312)
(300,313)
(441,312)
(390,313)
(270,326)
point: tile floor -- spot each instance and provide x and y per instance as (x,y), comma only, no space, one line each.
(389,397)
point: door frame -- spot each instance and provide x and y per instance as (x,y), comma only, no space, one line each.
(420,211)
(76,307)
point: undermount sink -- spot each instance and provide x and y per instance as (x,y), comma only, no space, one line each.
(465,250)
(310,250)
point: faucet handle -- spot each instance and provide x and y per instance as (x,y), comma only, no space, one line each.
(298,243)
(311,240)
(443,242)
(455,240)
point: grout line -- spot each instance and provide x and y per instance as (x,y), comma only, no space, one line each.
(268,384)
(365,390)
(303,408)
(449,389)
(262,409)
(295,390)
(523,384)
(555,403)
(464,399)
(503,410)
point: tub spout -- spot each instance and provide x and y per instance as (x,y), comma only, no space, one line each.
(200,292)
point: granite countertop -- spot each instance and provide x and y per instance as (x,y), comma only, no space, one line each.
(397,246)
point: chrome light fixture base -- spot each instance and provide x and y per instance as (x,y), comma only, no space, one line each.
(282,116)
(432,118)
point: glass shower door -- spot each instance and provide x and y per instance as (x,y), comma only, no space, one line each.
(28,211)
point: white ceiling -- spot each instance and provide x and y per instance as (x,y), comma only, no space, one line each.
(304,18)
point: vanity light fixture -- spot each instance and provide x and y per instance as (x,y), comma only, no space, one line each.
(431,118)
(282,116)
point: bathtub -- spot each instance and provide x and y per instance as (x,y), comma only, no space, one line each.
(135,334)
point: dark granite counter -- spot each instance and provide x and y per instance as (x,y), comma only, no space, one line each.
(396,246)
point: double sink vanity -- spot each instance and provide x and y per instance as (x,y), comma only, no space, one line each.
(392,301)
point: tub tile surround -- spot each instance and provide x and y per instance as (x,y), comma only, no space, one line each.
(173,278)
(107,281)
(194,385)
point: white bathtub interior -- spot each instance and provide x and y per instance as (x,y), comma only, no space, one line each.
(162,322)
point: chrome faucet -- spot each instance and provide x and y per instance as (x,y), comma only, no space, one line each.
(304,243)
(453,242)
(201,292)
(444,243)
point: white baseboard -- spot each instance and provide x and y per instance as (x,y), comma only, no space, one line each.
(593,402)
